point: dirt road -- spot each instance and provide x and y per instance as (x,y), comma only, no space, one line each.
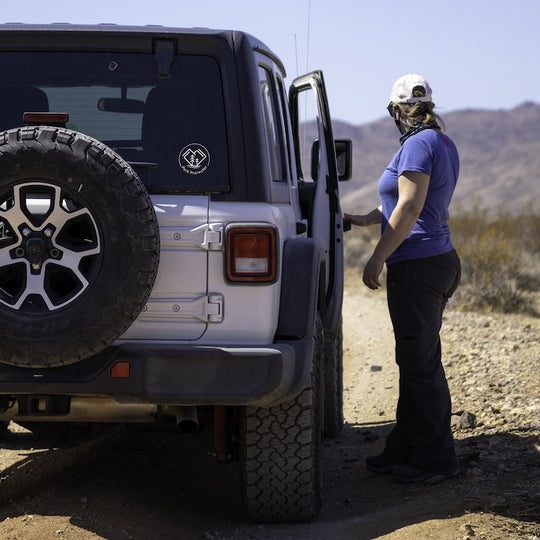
(140,485)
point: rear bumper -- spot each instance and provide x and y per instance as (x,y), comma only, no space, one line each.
(175,375)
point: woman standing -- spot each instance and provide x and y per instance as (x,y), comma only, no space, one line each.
(423,271)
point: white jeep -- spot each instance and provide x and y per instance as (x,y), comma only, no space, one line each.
(171,239)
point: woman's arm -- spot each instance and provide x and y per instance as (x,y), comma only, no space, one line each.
(413,188)
(362,220)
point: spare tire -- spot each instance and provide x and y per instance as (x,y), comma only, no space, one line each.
(79,246)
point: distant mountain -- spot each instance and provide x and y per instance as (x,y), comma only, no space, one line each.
(499,151)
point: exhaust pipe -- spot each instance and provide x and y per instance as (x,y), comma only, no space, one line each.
(187,419)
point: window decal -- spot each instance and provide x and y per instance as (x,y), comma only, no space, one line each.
(194,158)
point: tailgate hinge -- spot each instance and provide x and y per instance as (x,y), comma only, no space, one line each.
(208,236)
(204,308)
(213,238)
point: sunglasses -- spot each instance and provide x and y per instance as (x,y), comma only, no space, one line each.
(391,110)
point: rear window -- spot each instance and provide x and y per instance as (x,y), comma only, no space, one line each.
(172,130)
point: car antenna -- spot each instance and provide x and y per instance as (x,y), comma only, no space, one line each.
(307,45)
(308,35)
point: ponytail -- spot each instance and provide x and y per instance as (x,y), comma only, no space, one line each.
(420,112)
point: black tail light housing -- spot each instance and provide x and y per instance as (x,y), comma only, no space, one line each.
(251,253)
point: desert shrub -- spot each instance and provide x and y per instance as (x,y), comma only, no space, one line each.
(500,257)
(359,245)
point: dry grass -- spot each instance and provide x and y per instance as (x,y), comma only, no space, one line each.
(500,257)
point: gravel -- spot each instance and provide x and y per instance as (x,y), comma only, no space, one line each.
(165,485)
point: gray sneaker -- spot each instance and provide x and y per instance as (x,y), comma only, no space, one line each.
(430,475)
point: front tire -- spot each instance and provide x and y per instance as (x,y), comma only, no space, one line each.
(333,384)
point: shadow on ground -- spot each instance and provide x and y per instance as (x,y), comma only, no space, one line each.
(164,485)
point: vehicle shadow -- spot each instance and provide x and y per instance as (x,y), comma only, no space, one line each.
(33,461)
(169,485)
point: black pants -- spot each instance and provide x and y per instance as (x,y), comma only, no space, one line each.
(417,294)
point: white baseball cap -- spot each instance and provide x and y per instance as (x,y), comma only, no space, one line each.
(402,91)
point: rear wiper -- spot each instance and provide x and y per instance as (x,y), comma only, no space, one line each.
(143,164)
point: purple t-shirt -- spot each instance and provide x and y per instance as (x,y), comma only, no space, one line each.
(433,153)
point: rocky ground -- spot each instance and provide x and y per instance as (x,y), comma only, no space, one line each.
(492,365)
(153,485)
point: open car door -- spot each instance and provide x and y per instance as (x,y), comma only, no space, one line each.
(318,175)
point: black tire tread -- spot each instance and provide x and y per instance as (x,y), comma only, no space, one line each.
(281,460)
(333,384)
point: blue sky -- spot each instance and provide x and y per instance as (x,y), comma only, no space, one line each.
(474,53)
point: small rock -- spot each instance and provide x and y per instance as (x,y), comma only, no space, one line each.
(375,368)
(467,420)
(467,530)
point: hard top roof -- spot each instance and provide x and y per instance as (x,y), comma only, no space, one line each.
(18,36)
(112,28)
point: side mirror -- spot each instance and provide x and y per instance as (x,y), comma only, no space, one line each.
(343,149)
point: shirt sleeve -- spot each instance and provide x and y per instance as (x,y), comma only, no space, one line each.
(416,155)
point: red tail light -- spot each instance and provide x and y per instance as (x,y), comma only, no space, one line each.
(251,254)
